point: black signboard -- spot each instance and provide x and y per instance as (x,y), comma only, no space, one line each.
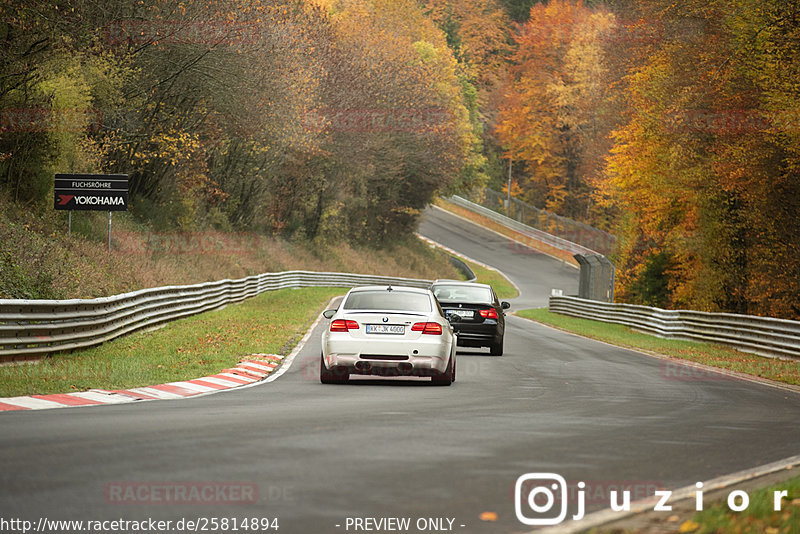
(91,192)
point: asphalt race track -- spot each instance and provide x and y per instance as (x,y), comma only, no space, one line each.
(533,272)
(316,455)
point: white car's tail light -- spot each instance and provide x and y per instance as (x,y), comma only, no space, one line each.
(434,329)
(343,325)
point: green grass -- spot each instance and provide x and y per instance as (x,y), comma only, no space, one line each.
(189,348)
(705,353)
(758,518)
(502,286)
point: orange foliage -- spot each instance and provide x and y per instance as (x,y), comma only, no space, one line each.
(553,118)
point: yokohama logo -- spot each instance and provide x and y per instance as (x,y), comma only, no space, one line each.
(98,201)
(91,192)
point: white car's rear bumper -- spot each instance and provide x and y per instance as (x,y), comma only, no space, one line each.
(426,356)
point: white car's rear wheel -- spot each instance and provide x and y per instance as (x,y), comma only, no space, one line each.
(337,375)
(449,375)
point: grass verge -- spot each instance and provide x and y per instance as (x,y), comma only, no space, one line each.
(189,348)
(759,517)
(706,353)
(39,261)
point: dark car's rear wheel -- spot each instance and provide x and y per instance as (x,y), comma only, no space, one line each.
(337,375)
(449,375)
(496,349)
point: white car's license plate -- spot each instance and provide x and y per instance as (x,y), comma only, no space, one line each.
(397,329)
(468,314)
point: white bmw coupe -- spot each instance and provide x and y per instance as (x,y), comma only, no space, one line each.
(388,331)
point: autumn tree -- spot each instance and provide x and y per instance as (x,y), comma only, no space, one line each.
(478,33)
(302,118)
(705,169)
(393,116)
(556,116)
(53,71)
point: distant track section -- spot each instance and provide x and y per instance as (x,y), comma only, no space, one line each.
(524,229)
(540,220)
(32,328)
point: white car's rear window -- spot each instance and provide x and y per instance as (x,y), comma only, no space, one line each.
(388,300)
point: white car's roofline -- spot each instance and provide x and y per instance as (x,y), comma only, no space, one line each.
(386,288)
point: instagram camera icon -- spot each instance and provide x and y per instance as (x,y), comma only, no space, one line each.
(546,484)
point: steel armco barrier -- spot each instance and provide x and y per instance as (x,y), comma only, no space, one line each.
(30,328)
(765,336)
(524,229)
(463,268)
(563,227)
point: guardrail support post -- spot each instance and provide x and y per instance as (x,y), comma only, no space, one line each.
(583,282)
(608,276)
(596,278)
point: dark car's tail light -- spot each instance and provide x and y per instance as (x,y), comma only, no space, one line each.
(434,329)
(491,313)
(343,325)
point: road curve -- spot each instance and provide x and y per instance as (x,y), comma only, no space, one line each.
(535,273)
(401,448)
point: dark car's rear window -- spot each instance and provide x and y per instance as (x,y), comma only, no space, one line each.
(463,293)
(388,300)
